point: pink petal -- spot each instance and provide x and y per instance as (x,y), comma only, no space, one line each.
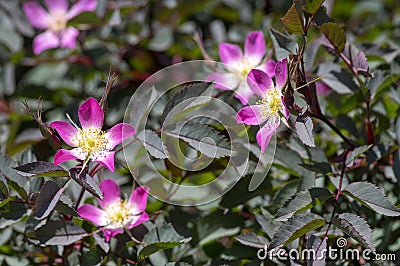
(55,5)
(44,41)
(230,53)
(138,199)
(322,88)
(118,134)
(281,74)
(81,6)
(224,81)
(107,160)
(268,67)
(254,47)
(110,191)
(250,115)
(90,114)
(66,155)
(66,131)
(92,213)
(110,233)
(36,14)
(259,82)
(68,37)
(244,93)
(265,133)
(142,218)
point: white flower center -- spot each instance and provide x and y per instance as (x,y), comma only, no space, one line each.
(91,141)
(118,215)
(271,103)
(57,21)
(245,65)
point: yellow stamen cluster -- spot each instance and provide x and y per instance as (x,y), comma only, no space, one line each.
(91,140)
(57,21)
(271,102)
(118,214)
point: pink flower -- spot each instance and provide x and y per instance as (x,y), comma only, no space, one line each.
(271,108)
(232,55)
(90,142)
(55,22)
(115,214)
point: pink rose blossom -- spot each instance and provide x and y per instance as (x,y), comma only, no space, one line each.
(115,214)
(270,108)
(232,55)
(55,22)
(90,142)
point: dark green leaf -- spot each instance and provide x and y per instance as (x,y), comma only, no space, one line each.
(57,233)
(334,34)
(297,226)
(153,144)
(356,227)
(11,212)
(312,6)
(15,180)
(267,225)
(47,199)
(298,203)
(65,206)
(185,97)
(319,167)
(371,196)
(203,138)
(304,127)
(252,240)
(293,20)
(42,169)
(357,152)
(314,243)
(161,237)
(93,257)
(283,44)
(87,182)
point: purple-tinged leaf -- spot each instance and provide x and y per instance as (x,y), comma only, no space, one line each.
(86,182)
(47,199)
(304,127)
(41,169)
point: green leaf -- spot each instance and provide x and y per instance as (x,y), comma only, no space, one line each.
(252,240)
(267,225)
(304,127)
(371,196)
(312,6)
(47,199)
(15,180)
(357,152)
(296,227)
(293,20)
(153,144)
(301,202)
(202,138)
(314,243)
(334,34)
(319,167)
(11,212)
(356,227)
(42,169)
(161,237)
(87,182)
(283,44)
(185,98)
(60,232)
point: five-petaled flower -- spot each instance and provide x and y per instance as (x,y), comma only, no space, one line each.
(115,214)
(271,108)
(239,65)
(90,142)
(55,22)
